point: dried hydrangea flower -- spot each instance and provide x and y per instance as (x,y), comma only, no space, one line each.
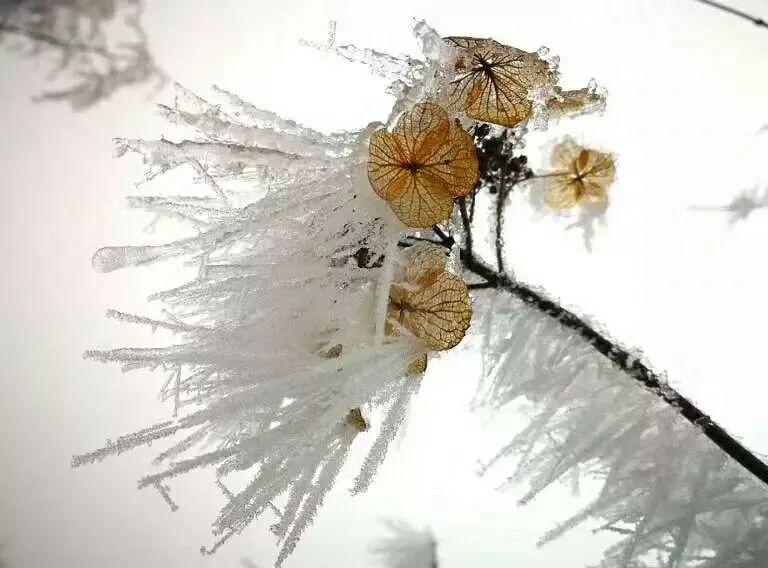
(422,165)
(580,176)
(494,82)
(429,303)
(575,103)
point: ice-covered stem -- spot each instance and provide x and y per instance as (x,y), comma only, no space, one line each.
(622,359)
(738,13)
(615,353)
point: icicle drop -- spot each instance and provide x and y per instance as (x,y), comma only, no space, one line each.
(107,259)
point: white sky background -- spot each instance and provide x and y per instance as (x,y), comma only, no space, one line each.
(688,92)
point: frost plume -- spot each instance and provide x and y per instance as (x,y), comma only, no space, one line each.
(674,497)
(276,334)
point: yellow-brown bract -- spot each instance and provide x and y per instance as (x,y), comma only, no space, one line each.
(422,165)
(580,176)
(429,303)
(494,82)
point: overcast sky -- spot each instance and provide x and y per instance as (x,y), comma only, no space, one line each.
(688,93)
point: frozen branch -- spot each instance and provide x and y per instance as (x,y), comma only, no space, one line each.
(614,352)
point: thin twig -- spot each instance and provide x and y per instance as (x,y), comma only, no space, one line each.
(446,239)
(738,13)
(501,199)
(467,225)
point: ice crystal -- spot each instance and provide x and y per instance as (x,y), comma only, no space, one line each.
(677,500)
(406,547)
(280,285)
(295,325)
(281,335)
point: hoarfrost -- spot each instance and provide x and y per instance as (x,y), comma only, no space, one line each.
(406,547)
(280,335)
(677,500)
(281,343)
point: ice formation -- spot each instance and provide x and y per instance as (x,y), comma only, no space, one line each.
(406,547)
(297,322)
(674,497)
(277,340)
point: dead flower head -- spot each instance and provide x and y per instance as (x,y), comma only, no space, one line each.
(429,303)
(494,82)
(580,176)
(575,103)
(422,165)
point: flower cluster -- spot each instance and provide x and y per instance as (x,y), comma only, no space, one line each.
(306,262)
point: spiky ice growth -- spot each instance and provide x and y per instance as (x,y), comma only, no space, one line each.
(406,547)
(280,335)
(675,499)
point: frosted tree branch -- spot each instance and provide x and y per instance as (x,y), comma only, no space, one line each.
(281,342)
(99,45)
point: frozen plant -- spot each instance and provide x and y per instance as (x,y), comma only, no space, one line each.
(280,345)
(674,497)
(330,267)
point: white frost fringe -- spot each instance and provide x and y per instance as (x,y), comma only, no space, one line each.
(677,500)
(279,286)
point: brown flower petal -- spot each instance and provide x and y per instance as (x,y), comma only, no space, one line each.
(438,314)
(425,263)
(495,82)
(422,165)
(581,176)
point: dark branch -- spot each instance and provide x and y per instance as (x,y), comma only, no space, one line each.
(622,359)
(493,153)
(755,20)
(501,199)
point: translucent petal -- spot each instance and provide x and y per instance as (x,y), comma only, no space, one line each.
(496,83)
(438,314)
(422,165)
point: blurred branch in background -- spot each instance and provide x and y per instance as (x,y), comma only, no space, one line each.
(741,206)
(98,45)
(406,547)
(738,13)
